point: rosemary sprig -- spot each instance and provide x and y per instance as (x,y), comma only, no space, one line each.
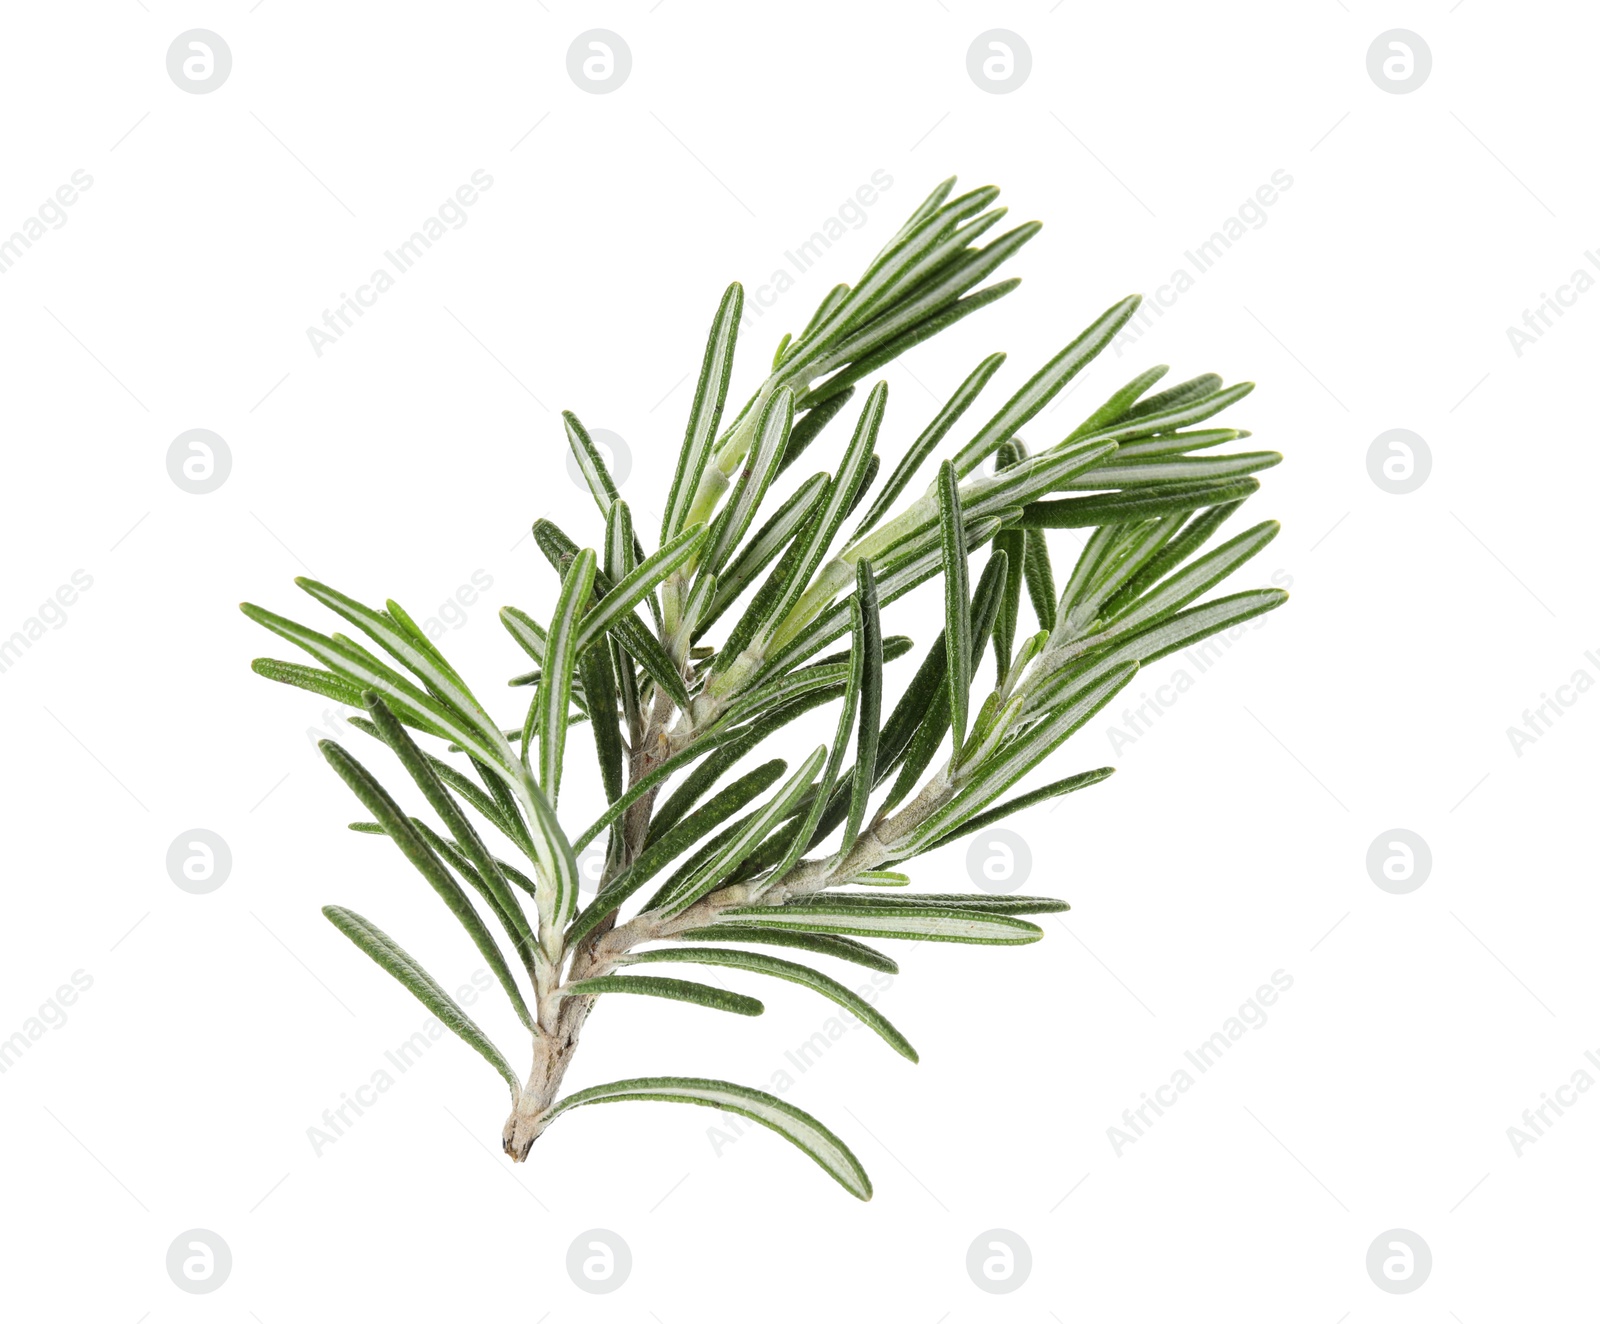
(794,857)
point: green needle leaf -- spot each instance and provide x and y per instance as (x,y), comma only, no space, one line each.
(818,944)
(1196,388)
(555,690)
(1042,387)
(925,923)
(922,309)
(361,668)
(1120,402)
(679,990)
(620,542)
(870,293)
(799,1128)
(787,688)
(761,466)
(1173,443)
(1013,543)
(854,668)
(448,850)
(1164,637)
(808,427)
(652,780)
(907,718)
(894,582)
(761,964)
(741,843)
(941,320)
(1140,504)
(870,651)
(526,631)
(1002,811)
(957,612)
(878,878)
(831,300)
(669,845)
(622,552)
(398,962)
(1041,583)
(599,684)
(466,837)
(325,683)
(557,890)
(1175,469)
(400,830)
(1184,587)
(924,445)
(622,597)
(510,824)
(706,412)
(764,546)
(1113,556)
(629,631)
(934,718)
(1194,535)
(419,637)
(1177,416)
(988,905)
(835,504)
(591,464)
(1016,758)
(422,660)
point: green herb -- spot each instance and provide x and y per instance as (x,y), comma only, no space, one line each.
(766,853)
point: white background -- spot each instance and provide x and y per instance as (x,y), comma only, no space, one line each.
(418,449)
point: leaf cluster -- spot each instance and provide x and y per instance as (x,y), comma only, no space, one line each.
(684,661)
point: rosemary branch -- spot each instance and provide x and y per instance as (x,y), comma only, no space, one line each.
(1138,471)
